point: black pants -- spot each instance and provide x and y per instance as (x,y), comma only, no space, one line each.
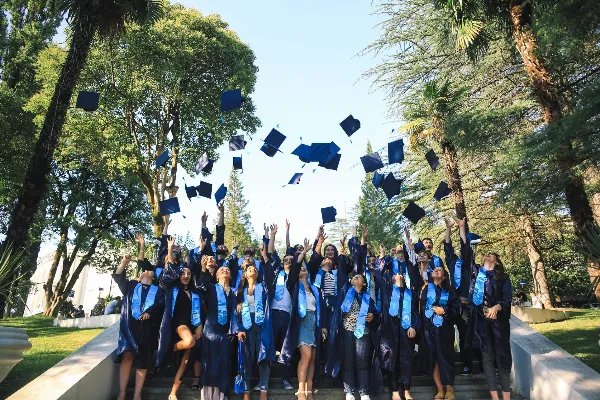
(462,323)
(358,354)
(403,366)
(327,311)
(489,359)
(280,320)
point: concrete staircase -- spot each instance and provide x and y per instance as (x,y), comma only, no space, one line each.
(473,387)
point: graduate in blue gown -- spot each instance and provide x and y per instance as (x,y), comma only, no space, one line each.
(304,331)
(490,303)
(400,321)
(161,253)
(427,247)
(220,301)
(206,247)
(181,326)
(439,308)
(142,308)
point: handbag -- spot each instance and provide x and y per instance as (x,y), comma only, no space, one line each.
(240,386)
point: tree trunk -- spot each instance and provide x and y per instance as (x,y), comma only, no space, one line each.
(536,259)
(35,184)
(454,179)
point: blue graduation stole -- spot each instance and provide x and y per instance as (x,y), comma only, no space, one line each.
(437,319)
(221,304)
(259,311)
(136,299)
(302,300)
(457,272)
(406,306)
(256,262)
(395,266)
(479,287)
(437,263)
(195,318)
(378,300)
(213,246)
(158,272)
(238,279)
(359,328)
(280,285)
(319,279)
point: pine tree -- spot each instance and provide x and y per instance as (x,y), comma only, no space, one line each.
(237,219)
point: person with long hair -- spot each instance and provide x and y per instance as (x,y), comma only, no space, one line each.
(490,303)
(439,308)
(304,331)
(400,322)
(252,323)
(142,306)
(220,304)
(182,317)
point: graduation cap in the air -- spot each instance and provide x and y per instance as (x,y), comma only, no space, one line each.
(204,189)
(237,143)
(371,162)
(169,206)
(206,235)
(162,159)
(471,237)
(323,152)
(333,164)
(396,151)
(295,179)
(205,164)
(88,100)
(432,159)
(391,186)
(231,100)
(237,163)
(303,152)
(220,193)
(272,142)
(377,177)
(442,191)
(328,214)
(191,191)
(413,212)
(350,125)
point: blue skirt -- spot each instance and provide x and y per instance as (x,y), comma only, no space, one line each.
(307,330)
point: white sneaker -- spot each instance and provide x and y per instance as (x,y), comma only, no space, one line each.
(365,397)
(349,396)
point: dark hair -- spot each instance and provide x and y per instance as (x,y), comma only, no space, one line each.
(335,251)
(427,238)
(250,251)
(192,284)
(446,281)
(364,280)
(499,267)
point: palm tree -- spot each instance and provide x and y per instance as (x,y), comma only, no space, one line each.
(88,20)
(427,118)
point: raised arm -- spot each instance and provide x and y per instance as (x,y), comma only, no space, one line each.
(462,228)
(287,234)
(221,208)
(271,248)
(302,255)
(119,275)
(449,224)
(320,239)
(166,222)
(448,249)
(142,242)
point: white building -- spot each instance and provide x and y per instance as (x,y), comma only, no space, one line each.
(90,285)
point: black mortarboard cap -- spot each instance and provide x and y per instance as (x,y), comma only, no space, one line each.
(272,142)
(204,189)
(206,235)
(391,186)
(323,152)
(303,152)
(377,177)
(350,125)
(191,191)
(220,193)
(396,151)
(442,191)
(371,162)
(419,246)
(237,163)
(333,164)
(237,143)
(328,214)
(413,212)
(88,100)
(432,159)
(205,164)
(472,236)
(295,179)
(231,100)
(169,206)
(162,159)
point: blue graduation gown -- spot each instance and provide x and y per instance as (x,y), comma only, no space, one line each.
(335,358)
(128,339)
(466,271)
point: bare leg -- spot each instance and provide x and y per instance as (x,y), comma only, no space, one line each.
(187,339)
(505,395)
(180,371)
(197,372)
(124,370)
(449,389)
(437,379)
(311,371)
(305,356)
(140,377)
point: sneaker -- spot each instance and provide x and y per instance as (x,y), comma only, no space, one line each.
(286,385)
(257,388)
(466,371)
(365,397)
(349,396)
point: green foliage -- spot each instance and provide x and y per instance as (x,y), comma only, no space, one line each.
(12,270)
(237,218)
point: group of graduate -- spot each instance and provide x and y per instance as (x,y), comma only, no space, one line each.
(354,315)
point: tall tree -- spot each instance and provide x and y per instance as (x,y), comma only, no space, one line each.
(87,18)
(237,219)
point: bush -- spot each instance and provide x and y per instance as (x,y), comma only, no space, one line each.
(99,307)
(66,309)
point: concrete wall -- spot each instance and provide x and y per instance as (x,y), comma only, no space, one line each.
(100,321)
(88,373)
(538,315)
(542,370)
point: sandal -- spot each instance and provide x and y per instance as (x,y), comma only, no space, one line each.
(449,396)
(299,393)
(439,396)
(196,386)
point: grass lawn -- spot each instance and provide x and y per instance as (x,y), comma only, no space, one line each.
(50,345)
(579,335)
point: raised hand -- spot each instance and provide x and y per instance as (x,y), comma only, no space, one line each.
(320,232)
(127,258)
(266,230)
(364,231)
(462,222)
(306,245)
(274,228)
(449,222)
(204,218)
(140,238)
(381,251)
(287,225)
(170,242)
(221,206)
(236,244)
(407,233)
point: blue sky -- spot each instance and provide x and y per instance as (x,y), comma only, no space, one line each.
(309,80)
